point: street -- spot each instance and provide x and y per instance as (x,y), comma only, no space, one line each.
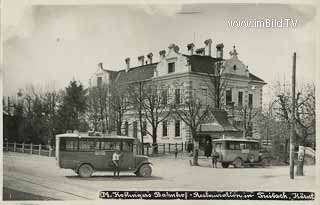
(39,175)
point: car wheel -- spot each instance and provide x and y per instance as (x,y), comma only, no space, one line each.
(85,171)
(237,163)
(224,165)
(145,170)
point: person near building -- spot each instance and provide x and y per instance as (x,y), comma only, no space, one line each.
(208,149)
(215,157)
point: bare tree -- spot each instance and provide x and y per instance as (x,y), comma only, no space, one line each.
(193,112)
(155,109)
(137,96)
(304,115)
(217,84)
(98,105)
(119,103)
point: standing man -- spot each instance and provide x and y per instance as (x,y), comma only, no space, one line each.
(215,157)
(116,162)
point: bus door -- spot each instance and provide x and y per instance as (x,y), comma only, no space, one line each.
(107,148)
(127,159)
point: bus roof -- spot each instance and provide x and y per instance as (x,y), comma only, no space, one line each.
(235,139)
(85,135)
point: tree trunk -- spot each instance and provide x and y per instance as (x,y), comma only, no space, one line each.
(195,151)
(118,128)
(154,141)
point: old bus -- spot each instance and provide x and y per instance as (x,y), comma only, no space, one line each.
(87,154)
(238,152)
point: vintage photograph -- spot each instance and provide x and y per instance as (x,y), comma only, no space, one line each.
(205,101)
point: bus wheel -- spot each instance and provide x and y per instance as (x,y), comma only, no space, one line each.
(145,170)
(265,162)
(224,165)
(85,170)
(237,163)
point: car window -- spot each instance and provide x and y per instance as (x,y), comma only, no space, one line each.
(87,144)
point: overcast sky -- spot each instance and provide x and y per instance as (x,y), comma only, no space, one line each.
(59,43)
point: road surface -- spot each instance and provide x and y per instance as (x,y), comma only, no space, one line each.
(40,176)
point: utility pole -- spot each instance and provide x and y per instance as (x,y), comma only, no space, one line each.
(293,120)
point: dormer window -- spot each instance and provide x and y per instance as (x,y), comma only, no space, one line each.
(171,67)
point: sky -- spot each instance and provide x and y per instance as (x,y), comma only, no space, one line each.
(57,43)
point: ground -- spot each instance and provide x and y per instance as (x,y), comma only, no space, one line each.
(41,178)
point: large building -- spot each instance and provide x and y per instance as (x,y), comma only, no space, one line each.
(180,73)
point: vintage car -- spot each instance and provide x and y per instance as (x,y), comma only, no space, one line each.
(87,154)
(239,152)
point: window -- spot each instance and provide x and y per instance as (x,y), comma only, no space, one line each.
(110,145)
(69,144)
(234,67)
(204,94)
(228,97)
(144,128)
(164,128)
(177,128)
(250,100)
(87,144)
(126,146)
(177,96)
(240,96)
(171,67)
(126,128)
(165,97)
(135,129)
(99,81)
(233,145)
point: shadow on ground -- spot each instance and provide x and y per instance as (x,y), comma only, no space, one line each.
(110,177)
(14,195)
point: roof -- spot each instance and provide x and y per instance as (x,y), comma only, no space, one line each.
(85,135)
(255,78)
(139,73)
(202,64)
(235,139)
(220,124)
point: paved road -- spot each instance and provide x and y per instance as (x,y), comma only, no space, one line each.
(40,176)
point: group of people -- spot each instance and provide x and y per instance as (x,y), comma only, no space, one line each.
(208,152)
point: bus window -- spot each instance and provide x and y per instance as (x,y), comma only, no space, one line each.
(218,147)
(68,144)
(233,146)
(86,144)
(110,145)
(126,146)
(243,146)
(254,146)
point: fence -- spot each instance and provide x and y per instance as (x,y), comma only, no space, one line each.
(45,150)
(163,148)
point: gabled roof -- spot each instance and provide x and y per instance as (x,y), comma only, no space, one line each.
(220,123)
(139,73)
(256,78)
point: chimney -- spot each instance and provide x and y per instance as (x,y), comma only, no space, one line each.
(128,64)
(200,51)
(174,47)
(100,65)
(208,44)
(190,47)
(150,55)
(141,59)
(220,50)
(162,54)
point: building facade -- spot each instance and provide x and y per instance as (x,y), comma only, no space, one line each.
(179,74)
